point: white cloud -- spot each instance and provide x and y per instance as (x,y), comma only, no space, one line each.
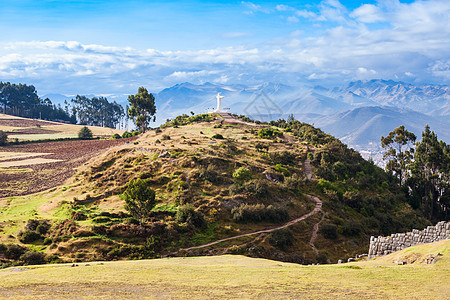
(253,8)
(368,13)
(293,19)
(414,37)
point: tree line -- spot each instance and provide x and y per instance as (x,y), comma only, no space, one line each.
(22,100)
(422,169)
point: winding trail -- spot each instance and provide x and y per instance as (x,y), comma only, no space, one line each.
(317,208)
(314,235)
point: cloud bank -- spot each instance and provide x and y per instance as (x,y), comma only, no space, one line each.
(389,40)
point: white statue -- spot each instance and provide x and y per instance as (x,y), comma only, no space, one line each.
(219,102)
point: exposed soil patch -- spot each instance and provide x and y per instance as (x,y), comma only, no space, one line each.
(25,122)
(70,154)
(31,130)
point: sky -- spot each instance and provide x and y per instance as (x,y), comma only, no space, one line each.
(113,47)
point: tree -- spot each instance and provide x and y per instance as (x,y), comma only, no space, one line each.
(429,184)
(142,108)
(85,133)
(3,138)
(139,199)
(399,151)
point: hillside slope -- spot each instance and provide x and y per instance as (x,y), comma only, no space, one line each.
(193,165)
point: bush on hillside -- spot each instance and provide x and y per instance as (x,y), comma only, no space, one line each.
(33,258)
(282,239)
(85,133)
(351,228)
(139,199)
(242,175)
(329,231)
(116,136)
(218,136)
(259,213)
(127,134)
(282,157)
(12,251)
(27,237)
(210,174)
(188,214)
(269,133)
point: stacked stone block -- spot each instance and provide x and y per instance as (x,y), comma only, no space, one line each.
(384,245)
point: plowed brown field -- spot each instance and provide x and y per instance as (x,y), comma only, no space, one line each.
(39,176)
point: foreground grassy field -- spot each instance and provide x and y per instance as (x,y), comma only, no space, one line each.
(236,277)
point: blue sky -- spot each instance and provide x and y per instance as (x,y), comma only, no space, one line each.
(115,46)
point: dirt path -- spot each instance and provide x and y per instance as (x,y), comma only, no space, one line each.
(317,208)
(314,235)
(308,170)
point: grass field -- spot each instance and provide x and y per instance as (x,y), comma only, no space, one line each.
(235,277)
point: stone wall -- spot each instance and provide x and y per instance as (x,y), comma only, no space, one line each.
(398,241)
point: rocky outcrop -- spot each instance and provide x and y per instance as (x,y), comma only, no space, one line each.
(384,245)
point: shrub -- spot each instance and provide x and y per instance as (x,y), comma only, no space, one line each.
(127,134)
(28,237)
(188,214)
(33,258)
(165,137)
(48,241)
(116,136)
(3,138)
(139,199)
(269,133)
(261,147)
(218,136)
(210,174)
(351,228)
(282,157)
(158,130)
(329,231)
(281,169)
(259,213)
(241,175)
(85,133)
(281,239)
(13,251)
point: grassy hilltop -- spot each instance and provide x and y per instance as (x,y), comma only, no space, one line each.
(214,178)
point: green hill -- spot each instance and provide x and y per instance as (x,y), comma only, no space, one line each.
(216,178)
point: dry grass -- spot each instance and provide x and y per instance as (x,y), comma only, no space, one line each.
(232,277)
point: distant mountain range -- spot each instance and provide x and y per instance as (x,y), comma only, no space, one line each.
(358,113)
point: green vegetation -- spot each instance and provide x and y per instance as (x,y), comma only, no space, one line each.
(22,100)
(423,171)
(242,175)
(85,133)
(97,111)
(142,108)
(3,138)
(139,199)
(259,213)
(188,214)
(269,133)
